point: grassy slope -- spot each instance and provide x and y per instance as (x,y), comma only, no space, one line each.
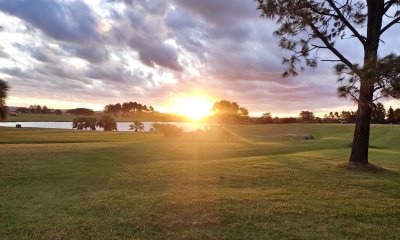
(264,183)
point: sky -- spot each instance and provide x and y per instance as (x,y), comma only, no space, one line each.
(88,53)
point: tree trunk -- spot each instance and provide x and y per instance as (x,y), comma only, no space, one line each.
(359,151)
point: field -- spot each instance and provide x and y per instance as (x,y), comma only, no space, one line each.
(261,182)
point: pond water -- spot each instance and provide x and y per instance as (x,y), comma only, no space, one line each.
(122,126)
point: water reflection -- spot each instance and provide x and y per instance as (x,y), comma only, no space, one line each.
(122,126)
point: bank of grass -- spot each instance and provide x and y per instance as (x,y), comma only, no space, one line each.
(261,182)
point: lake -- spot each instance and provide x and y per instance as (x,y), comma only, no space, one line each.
(122,126)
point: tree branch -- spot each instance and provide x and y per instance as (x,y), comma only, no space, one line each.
(334,50)
(389,25)
(389,4)
(347,23)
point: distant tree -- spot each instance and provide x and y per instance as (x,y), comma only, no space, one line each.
(22,110)
(309,27)
(32,108)
(139,108)
(397,115)
(4,88)
(390,117)
(151,109)
(81,111)
(137,126)
(58,112)
(81,123)
(45,110)
(113,109)
(348,117)
(107,122)
(266,118)
(229,112)
(288,120)
(307,116)
(378,113)
(330,118)
(38,109)
(134,106)
(126,107)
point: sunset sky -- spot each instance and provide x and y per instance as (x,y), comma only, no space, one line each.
(74,53)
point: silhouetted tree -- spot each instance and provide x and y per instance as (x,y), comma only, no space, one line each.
(81,111)
(348,117)
(113,109)
(107,122)
(81,123)
(390,118)
(397,115)
(229,112)
(45,110)
(4,88)
(58,112)
(307,27)
(378,113)
(137,126)
(307,116)
(266,118)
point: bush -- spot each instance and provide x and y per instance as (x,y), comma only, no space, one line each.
(170,130)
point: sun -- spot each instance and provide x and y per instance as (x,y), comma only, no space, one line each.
(194,107)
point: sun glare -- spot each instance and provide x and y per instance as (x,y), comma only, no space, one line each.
(193,107)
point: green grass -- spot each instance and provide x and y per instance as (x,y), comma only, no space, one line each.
(262,183)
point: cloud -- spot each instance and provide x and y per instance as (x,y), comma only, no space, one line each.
(122,49)
(66,21)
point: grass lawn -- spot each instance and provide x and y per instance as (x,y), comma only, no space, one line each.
(265,182)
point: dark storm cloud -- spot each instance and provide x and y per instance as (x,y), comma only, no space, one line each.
(66,21)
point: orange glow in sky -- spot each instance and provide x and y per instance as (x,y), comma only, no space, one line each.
(195,107)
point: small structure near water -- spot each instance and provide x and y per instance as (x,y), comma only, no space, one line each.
(18,126)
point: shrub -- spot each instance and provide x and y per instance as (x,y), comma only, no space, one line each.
(170,130)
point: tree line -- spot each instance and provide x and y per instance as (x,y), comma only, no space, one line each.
(379,115)
(37,109)
(126,108)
